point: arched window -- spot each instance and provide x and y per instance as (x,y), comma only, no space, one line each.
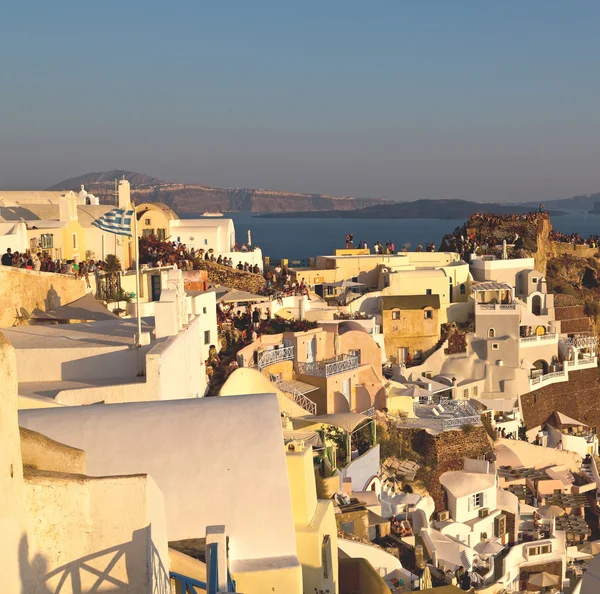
(463,289)
(491,333)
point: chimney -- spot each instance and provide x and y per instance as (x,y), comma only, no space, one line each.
(124,194)
(67,207)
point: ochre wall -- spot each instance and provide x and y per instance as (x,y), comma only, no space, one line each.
(30,289)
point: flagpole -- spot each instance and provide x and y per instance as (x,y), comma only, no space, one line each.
(137,277)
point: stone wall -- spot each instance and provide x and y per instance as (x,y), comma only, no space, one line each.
(573,319)
(579,398)
(232,277)
(444,452)
(20,288)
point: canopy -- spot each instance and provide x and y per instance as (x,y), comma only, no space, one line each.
(347,421)
(415,392)
(550,511)
(543,580)
(308,437)
(565,420)
(345,284)
(285,314)
(499,404)
(84,308)
(227,295)
(488,547)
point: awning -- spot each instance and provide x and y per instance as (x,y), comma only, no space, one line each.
(308,437)
(347,421)
(345,284)
(565,420)
(498,404)
(85,308)
(227,295)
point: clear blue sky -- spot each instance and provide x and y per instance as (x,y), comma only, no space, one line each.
(404,100)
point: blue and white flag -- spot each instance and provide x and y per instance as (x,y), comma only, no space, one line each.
(117,220)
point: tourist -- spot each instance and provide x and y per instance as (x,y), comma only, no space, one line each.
(256,317)
(7,258)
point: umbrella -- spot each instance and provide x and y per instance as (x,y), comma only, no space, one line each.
(488,547)
(426,582)
(416,392)
(550,511)
(591,548)
(543,580)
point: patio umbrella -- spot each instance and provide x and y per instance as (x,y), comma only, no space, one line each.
(550,511)
(488,547)
(591,548)
(426,582)
(416,392)
(543,580)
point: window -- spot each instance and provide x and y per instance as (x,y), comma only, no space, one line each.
(539,550)
(534,280)
(146,221)
(74,241)
(475,390)
(427,291)
(147,232)
(395,315)
(463,289)
(476,501)
(161,234)
(466,393)
(347,527)
(47,240)
(495,346)
(491,333)
(326,556)
(207,337)
(355,353)
(428,313)
(206,242)
(204,310)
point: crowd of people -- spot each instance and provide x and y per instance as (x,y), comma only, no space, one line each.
(497,219)
(592,241)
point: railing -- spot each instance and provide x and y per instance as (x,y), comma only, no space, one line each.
(370,412)
(538,338)
(471,417)
(188,585)
(329,367)
(581,342)
(300,399)
(493,306)
(275,356)
(548,376)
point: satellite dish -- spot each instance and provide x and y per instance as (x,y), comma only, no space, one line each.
(24,313)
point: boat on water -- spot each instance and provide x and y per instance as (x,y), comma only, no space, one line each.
(212,214)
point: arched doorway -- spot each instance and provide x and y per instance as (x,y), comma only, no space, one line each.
(540,367)
(536,305)
(540,330)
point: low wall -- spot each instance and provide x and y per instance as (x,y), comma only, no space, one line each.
(362,469)
(113,523)
(21,288)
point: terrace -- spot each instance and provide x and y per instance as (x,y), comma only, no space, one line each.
(329,367)
(452,414)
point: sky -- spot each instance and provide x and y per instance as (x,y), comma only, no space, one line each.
(485,101)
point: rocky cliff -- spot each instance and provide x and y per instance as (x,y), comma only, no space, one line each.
(195,199)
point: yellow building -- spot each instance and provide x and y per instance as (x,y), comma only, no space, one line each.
(154,219)
(411,326)
(314,520)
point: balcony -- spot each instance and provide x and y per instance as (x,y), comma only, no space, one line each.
(455,414)
(581,342)
(329,367)
(549,338)
(581,362)
(276,355)
(495,307)
(538,379)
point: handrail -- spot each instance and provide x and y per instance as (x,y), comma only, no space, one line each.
(329,367)
(370,412)
(300,399)
(580,342)
(277,355)
(187,584)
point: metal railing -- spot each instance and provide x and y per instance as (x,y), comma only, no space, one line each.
(282,353)
(493,306)
(370,412)
(470,417)
(300,399)
(187,585)
(548,376)
(329,367)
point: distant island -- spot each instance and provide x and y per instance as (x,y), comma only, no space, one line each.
(596,209)
(419,209)
(191,200)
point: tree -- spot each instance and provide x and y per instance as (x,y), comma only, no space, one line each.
(112,263)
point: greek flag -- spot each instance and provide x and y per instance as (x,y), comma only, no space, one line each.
(117,220)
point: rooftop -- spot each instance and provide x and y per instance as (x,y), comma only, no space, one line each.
(410,302)
(461,483)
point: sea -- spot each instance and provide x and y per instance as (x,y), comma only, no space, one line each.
(295,238)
